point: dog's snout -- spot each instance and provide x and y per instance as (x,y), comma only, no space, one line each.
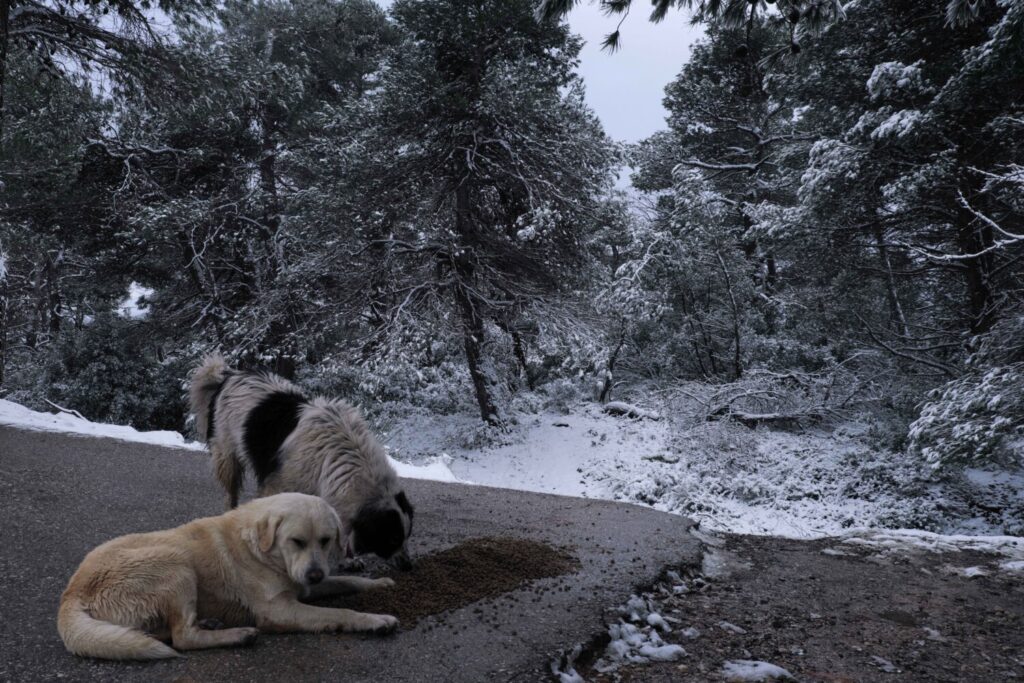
(401,561)
(314,575)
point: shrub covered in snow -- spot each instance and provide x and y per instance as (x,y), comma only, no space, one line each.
(974,418)
(111,372)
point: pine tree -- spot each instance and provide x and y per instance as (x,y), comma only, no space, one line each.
(479,159)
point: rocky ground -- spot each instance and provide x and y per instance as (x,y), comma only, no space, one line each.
(834,612)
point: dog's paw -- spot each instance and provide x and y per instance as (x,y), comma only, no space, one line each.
(250,635)
(386,624)
(383,582)
(361,622)
(352,565)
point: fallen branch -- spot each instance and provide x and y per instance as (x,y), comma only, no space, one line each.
(754,419)
(67,410)
(620,409)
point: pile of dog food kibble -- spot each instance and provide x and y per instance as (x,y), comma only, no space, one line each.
(476,569)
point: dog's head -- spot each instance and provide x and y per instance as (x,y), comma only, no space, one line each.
(297,533)
(382,526)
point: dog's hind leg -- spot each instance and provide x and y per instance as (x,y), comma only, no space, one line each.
(182,621)
(230,473)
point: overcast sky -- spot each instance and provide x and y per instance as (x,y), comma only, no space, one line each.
(626,88)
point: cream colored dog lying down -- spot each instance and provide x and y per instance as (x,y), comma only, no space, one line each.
(246,568)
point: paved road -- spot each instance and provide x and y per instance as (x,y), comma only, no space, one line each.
(62,495)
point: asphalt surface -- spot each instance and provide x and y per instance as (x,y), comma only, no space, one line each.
(62,495)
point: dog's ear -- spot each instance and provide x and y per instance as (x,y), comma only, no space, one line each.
(339,543)
(338,539)
(266,531)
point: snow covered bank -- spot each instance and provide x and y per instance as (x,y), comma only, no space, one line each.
(16,415)
(433,470)
(547,452)
(808,484)
(729,478)
(1007,551)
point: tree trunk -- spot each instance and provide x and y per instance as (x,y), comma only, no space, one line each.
(472,321)
(284,366)
(770,282)
(519,349)
(899,320)
(972,239)
(472,340)
(737,365)
(39,321)
(271,219)
(4,303)
(5,20)
(5,17)
(609,379)
(53,295)
(280,327)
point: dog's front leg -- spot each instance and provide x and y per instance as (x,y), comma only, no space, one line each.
(285,614)
(346,585)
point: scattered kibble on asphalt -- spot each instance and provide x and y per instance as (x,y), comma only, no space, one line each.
(476,569)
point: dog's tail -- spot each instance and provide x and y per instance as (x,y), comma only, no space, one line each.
(88,637)
(204,388)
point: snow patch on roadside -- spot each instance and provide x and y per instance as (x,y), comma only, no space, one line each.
(1007,551)
(896,540)
(434,470)
(636,637)
(16,415)
(547,452)
(812,484)
(742,670)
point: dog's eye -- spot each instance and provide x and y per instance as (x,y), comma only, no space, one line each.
(324,541)
(299,543)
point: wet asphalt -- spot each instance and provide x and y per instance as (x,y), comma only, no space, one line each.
(61,495)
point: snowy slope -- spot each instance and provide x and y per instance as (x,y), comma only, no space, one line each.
(730,478)
(799,485)
(546,453)
(16,415)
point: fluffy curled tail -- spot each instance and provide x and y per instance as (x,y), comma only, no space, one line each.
(205,385)
(86,636)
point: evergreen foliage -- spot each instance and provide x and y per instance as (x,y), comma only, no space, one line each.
(418,207)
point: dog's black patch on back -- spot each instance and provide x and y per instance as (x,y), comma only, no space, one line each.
(378,530)
(266,428)
(406,506)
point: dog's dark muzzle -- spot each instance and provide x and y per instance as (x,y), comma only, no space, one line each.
(400,561)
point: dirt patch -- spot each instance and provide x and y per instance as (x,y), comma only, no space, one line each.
(473,570)
(833,613)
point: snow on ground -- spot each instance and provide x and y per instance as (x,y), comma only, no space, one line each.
(16,415)
(738,670)
(433,470)
(633,638)
(799,484)
(912,539)
(806,484)
(1007,551)
(547,453)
